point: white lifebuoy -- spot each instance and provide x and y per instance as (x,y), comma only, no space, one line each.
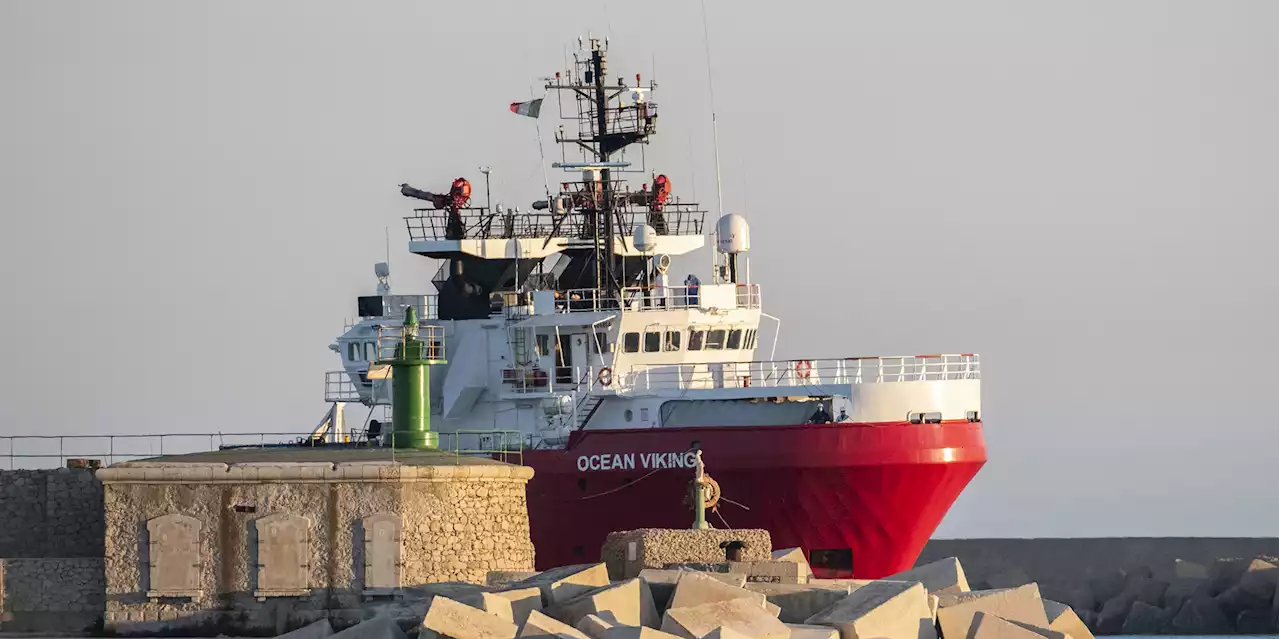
(803,367)
(605,376)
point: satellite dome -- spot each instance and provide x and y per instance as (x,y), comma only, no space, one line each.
(646,238)
(732,234)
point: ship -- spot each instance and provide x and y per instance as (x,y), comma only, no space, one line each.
(571,348)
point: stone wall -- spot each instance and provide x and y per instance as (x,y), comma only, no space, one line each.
(455,524)
(50,595)
(50,513)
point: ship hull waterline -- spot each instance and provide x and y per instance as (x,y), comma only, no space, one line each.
(868,495)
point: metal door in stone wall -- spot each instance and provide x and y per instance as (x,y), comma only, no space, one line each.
(173,556)
(381,552)
(284,555)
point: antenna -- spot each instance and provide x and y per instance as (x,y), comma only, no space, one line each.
(386,232)
(715,136)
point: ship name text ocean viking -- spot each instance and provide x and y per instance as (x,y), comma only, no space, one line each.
(627,461)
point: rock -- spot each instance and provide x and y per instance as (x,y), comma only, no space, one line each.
(662,583)
(797,602)
(629,602)
(743,615)
(944,575)
(892,609)
(1145,619)
(794,555)
(695,589)
(988,626)
(449,618)
(540,625)
(316,630)
(1236,599)
(1139,588)
(1259,580)
(806,631)
(1064,619)
(1225,573)
(1015,604)
(380,627)
(1256,622)
(1183,569)
(1011,578)
(594,626)
(1200,616)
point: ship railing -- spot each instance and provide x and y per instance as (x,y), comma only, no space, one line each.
(479,223)
(389,338)
(30,452)
(340,387)
(802,372)
(395,306)
(560,379)
(649,298)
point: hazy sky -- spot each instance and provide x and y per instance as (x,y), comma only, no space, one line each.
(1083,192)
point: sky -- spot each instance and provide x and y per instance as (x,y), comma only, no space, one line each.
(1084,192)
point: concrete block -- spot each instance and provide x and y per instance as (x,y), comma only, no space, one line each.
(1259,580)
(450,618)
(1256,622)
(633,632)
(988,626)
(794,555)
(1183,588)
(1015,604)
(696,589)
(505,578)
(772,609)
(944,575)
(523,601)
(1145,619)
(798,602)
(629,602)
(314,630)
(725,632)
(1183,569)
(948,599)
(540,625)
(1065,620)
(498,606)
(806,631)
(1047,633)
(890,609)
(743,615)
(782,572)
(567,582)
(1200,616)
(380,627)
(933,606)
(594,626)
(662,583)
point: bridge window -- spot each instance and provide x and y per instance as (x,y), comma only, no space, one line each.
(715,339)
(751,338)
(600,344)
(652,341)
(631,343)
(695,339)
(370,351)
(353,351)
(673,341)
(735,339)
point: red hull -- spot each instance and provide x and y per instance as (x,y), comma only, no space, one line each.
(878,490)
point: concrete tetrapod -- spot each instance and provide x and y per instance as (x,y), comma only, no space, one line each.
(890,609)
(742,615)
(449,618)
(944,575)
(1015,604)
(540,625)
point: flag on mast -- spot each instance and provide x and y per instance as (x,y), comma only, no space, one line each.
(530,108)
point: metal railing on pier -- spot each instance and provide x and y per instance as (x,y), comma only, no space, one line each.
(50,451)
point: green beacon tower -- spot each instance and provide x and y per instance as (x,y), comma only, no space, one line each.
(411,385)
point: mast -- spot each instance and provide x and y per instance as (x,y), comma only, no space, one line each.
(610,285)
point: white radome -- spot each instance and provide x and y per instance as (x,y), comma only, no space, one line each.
(646,238)
(732,234)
